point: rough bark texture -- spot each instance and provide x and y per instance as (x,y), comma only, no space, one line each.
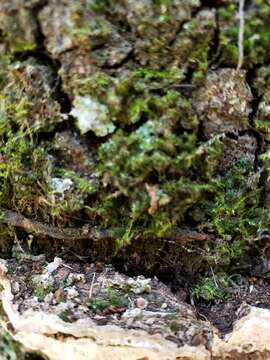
(129,134)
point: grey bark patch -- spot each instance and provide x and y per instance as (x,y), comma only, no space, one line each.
(235,149)
(223,102)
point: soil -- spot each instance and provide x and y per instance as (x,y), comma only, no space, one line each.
(222,313)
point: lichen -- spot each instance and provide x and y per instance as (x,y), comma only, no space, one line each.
(223,102)
(91,115)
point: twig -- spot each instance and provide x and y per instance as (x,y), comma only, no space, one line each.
(214,278)
(92,285)
(14,219)
(241,15)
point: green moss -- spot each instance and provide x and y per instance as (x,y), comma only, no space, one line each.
(26,174)
(113,297)
(153,154)
(23,167)
(41,292)
(27,168)
(174,326)
(191,48)
(261,85)
(88,32)
(66,316)
(256,37)
(236,215)
(263,126)
(18,27)
(211,288)
(130,94)
(262,80)
(73,200)
(238,201)
(85,186)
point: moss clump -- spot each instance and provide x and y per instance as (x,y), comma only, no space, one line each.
(113,298)
(66,202)
(211,287)
(154,156)
(23,166)
(261,85)
(41,292)
(41,287)
(28,96)
(130,95)
(256,37)
(28,168)
(191,47)
(236,215)
(153,25)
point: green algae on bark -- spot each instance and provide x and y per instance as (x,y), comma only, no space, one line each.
(28,97)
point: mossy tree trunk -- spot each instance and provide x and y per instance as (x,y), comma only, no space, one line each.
(128,134)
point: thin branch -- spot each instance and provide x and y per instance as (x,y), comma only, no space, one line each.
(92,286)
(241,31)
(14,219)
